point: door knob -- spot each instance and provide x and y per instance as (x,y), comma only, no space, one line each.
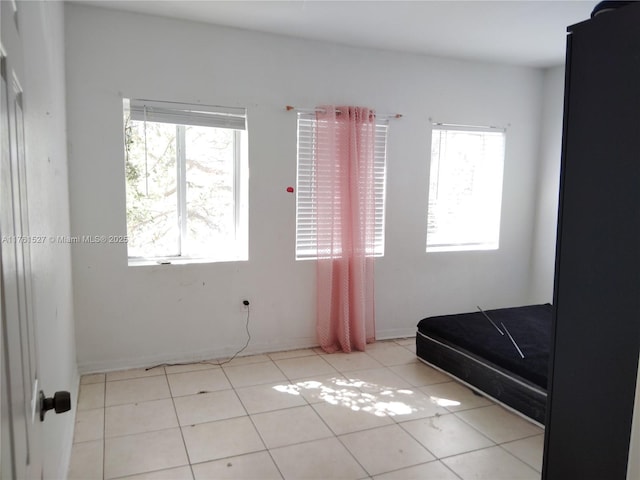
(60,402)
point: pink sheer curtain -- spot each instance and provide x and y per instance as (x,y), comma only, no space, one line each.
(345,208)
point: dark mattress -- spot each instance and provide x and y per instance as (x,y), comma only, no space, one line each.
(469,347)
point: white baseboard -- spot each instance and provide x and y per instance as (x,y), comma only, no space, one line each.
(197,356)
(395,333)
(220,353)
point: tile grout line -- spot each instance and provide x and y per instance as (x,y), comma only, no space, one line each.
(436,460)
(104,430)
(253,423)
(518,458)
(485,434)
(384,426)
(446,457)
(312,354)
(127,476)
(450,469)
(487,448)
(496,444)
(476,428)
(519,439)
(175,412)
(419,442)
(164,429)
(501,445)
(133,378)
(337,437)
(290,379)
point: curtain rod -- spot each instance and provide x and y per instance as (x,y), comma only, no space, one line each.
(311,110)
(454,126)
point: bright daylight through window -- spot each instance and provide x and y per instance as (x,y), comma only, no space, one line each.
(306,245)
(465,188)
(186,180)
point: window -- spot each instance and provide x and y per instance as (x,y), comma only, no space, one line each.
(305,208)
(186,180)
(465,188)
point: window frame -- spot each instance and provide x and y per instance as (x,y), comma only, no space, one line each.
(204,116)
(465,245)
(305,248)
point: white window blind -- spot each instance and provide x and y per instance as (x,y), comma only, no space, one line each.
(465,188)
(305,198)
(187,114)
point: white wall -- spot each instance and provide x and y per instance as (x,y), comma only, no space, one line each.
(544,251)
(129,316)
(42,31)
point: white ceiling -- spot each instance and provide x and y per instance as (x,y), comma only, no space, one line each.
(520,32)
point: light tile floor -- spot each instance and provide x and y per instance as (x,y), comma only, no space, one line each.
(294,415)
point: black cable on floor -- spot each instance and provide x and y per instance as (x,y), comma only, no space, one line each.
(205,362)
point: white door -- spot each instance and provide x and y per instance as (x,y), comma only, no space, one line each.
(20,422)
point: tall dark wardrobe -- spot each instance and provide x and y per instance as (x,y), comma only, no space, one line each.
(596,337)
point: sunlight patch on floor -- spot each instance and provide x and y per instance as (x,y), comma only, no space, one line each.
(358,395)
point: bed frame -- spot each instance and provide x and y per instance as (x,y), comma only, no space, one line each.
(470,349)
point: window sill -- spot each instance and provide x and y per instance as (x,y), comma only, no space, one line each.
(168,262)
(462,248)
(313,257)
